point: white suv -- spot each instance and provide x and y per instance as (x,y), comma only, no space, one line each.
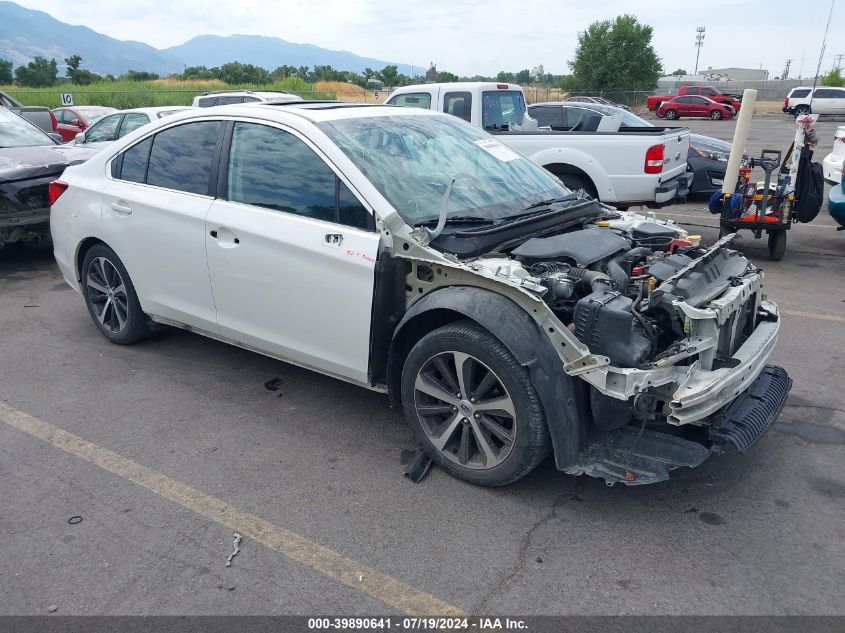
(825,100)
(229,97)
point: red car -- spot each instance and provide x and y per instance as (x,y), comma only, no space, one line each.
(75,119)
(696,107)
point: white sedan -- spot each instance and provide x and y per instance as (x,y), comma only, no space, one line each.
(121,123)
(409,252)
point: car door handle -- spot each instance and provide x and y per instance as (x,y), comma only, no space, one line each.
(334,239)
(121,207)
(224,237)
(213,234)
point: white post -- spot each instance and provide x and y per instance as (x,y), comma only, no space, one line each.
(743,124)
(802,124)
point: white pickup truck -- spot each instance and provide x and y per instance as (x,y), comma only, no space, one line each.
(622,166)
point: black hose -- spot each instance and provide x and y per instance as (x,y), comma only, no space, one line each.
(619,268)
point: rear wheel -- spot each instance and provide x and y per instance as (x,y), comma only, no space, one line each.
(576,182)
(111,298)
(472,405)
(777,245)
(715,115)
(672,115)
(801,110)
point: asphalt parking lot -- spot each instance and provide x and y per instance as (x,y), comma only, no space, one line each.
(164,448)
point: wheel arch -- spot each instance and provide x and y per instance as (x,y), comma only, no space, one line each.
(562,397)
(83,247)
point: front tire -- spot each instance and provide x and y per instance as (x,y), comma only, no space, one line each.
(472,406)
(672,115)
(111,298)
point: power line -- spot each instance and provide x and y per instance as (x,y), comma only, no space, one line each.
(821,55)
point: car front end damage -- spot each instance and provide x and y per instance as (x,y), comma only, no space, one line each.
(662,345)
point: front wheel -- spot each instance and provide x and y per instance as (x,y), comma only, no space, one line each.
(672,115)
(111,298)
(715,115)
(472,405)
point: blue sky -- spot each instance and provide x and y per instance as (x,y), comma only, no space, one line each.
(484,36)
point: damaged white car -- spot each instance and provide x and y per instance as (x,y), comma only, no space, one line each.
(409,252)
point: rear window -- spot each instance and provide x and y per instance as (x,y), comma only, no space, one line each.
(501,108)
(412,100)
(799,93)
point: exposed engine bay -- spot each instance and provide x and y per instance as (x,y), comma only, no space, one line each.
(602,283)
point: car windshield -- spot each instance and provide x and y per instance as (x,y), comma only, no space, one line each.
(411,159)
(16,131)
(95,114)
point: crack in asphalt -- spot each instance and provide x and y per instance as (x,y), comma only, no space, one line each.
(521,560)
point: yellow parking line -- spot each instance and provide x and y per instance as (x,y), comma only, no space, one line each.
(344,570)
(814,315)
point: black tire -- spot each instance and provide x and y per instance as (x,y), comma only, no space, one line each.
(777,245)
(123,322)
(723,231)
(801,110)
(716,115)
(485,355)
(672,115)
(575,182)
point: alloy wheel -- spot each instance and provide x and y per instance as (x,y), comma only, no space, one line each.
(107,294)
(465,410)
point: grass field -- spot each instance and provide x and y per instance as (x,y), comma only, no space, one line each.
(138,94)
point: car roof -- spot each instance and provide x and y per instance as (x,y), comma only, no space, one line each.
(461,85)
(155,109)
(313,111)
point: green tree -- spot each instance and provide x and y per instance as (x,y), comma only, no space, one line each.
(283,72)
(833,78)
(199,73)
(302,72)
(6,76)
(523,76)
(389,74)
(616,55)
(39,73)
(138,75)
(73,63)
(680,73)
(446,77)
(238,73)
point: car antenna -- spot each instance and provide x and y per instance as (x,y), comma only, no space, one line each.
(441,222)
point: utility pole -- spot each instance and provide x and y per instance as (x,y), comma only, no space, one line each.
(699,42)
(838,63)
(785,74)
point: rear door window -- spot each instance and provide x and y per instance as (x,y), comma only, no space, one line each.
(458,104)
(229,100)
(412,100)
(552,116)
(181,157)
(207,102)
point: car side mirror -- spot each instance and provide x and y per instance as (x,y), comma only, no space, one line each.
(57,138)
(76,123)
(80,138)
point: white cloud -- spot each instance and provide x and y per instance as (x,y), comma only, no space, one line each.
(478,36)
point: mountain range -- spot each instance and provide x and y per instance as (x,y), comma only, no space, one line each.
(25,34)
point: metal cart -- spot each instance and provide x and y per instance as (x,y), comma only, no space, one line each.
(756,210)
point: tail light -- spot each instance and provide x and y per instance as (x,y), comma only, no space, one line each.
(502,86)
(786,102)
(55,189)
(54,121)
(654,159)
